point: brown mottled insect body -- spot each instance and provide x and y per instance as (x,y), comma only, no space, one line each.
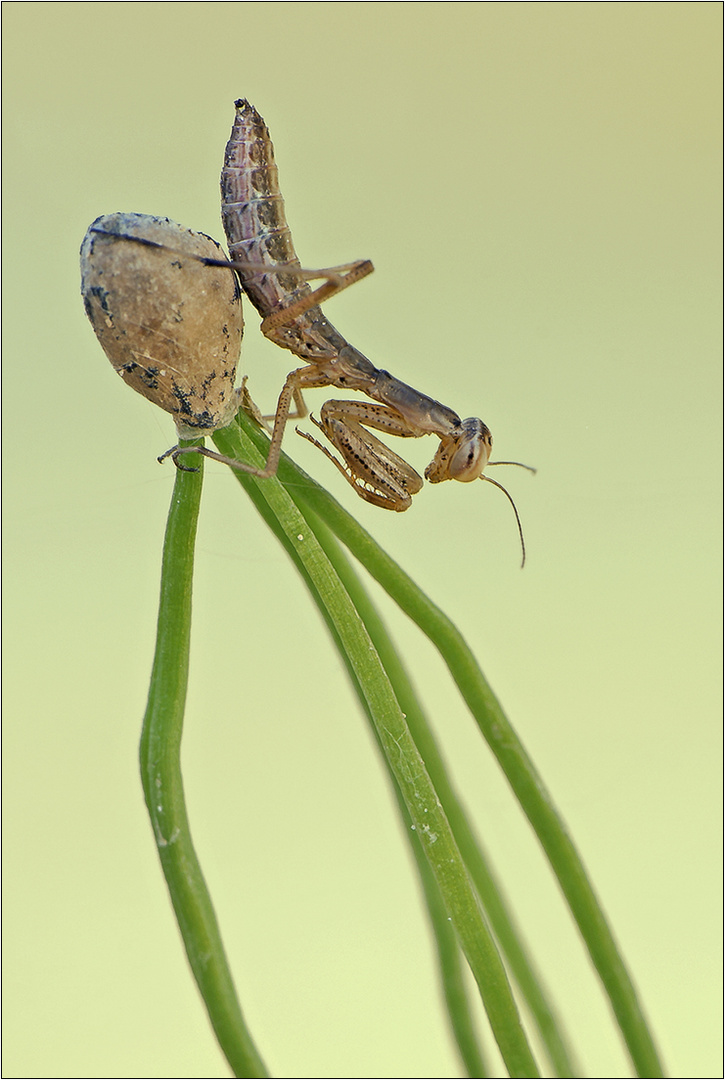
(170,324)
(257,233)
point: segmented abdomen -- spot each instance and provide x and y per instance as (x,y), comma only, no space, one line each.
(253,213)
(257,232)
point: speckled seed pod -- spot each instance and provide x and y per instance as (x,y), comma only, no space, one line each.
(170,324)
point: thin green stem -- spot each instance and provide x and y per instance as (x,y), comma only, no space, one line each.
(163,789)
(519,770)
(420,797)
(449,954)
(489,890)
(449,957)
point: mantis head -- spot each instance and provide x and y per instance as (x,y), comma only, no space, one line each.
(463,453)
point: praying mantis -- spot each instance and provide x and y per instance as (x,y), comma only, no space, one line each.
(263,254)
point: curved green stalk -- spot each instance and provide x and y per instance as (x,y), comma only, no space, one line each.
(163,789)
(489,890)
(420,797)
(508,749)
(449,954)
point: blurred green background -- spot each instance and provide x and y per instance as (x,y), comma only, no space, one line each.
(538,187)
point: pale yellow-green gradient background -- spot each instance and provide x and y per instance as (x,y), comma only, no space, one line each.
(537,186)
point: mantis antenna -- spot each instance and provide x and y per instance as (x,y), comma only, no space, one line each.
(495,483)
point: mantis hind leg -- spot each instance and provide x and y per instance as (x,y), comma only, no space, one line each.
(338,278)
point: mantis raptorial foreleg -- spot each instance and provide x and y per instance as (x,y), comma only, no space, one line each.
(375,471)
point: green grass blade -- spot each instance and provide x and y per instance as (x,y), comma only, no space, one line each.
(489,890)
(163,788)
(449,955)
